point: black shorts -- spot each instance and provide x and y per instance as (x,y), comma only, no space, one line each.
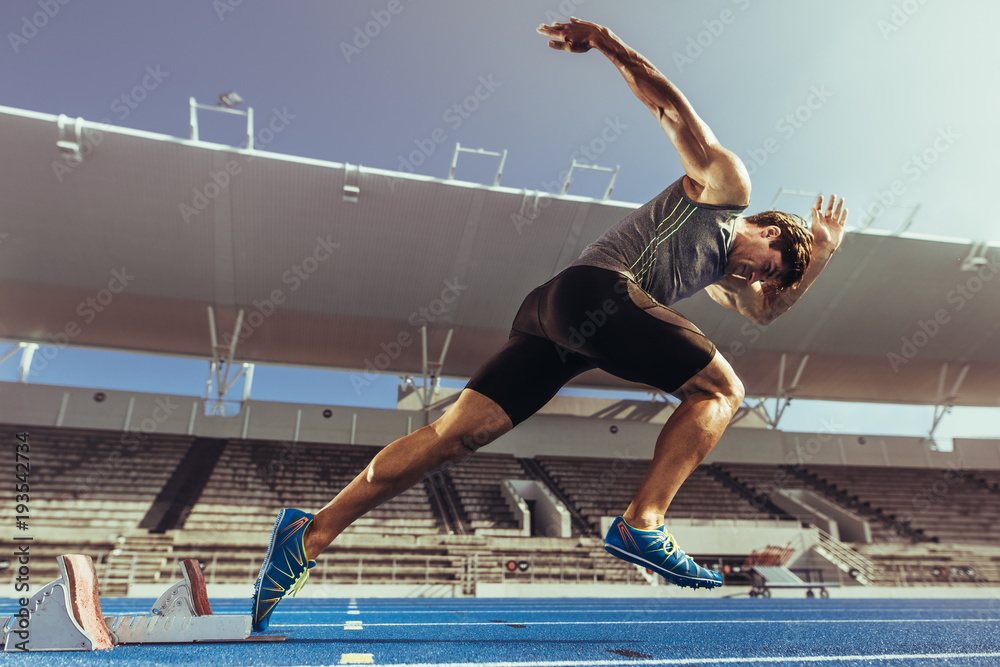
(588,317)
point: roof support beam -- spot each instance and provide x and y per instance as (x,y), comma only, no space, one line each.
(220,368)
(27,353)
(430,372)
(782,398)
(945,402)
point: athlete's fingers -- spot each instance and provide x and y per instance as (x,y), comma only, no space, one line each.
(551,30)
(838,211)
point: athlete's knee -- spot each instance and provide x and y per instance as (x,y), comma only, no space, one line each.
(735,393)
(474,421)
(719,381)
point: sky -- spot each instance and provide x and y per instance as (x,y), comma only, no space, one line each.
(887,104)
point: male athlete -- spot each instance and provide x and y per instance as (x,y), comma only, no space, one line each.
(690,237)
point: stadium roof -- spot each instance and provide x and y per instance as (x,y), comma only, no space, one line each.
(129,248)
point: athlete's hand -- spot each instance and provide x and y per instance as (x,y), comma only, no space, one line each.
(576,36)
(828,225)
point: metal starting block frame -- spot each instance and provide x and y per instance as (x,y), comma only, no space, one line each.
(63,615)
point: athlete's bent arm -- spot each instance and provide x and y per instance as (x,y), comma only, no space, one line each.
(760,306)
(718,175)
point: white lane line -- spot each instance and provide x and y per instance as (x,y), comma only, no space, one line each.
(352,625)
(792,659)
(521,608)
(729,621)
(356,658)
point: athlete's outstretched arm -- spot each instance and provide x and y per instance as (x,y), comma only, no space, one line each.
(763,307)
(704,159)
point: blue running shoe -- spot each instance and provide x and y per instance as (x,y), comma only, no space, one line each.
(285,567)
(657,550)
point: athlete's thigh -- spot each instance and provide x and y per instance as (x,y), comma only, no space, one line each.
(525,374)
(644,341)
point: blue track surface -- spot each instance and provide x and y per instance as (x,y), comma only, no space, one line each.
(586,632)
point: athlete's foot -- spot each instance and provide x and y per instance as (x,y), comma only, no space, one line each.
(656,549)
(311,543)
(644,521)
(285,568)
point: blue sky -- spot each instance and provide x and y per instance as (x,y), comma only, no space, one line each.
(847,98)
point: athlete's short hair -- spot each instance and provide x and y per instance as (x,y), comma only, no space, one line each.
(794,243)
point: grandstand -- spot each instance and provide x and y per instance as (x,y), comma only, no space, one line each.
(139,487)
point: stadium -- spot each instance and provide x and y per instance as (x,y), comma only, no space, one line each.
(275,252)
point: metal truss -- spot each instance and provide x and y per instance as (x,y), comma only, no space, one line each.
(944,402)
(782,398)
(221,367)
(430,373)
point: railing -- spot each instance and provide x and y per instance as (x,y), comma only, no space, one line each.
(942,575)
(362,569)
(119,569)
(727,519)
(542,568)
(845,558)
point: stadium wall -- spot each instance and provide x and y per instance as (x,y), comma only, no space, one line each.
(143,413)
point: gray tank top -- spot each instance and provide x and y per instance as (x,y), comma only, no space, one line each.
(672,247)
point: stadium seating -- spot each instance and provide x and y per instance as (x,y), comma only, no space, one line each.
(254,479)
(91,489)
(477,482)
(604,487)
(90,479)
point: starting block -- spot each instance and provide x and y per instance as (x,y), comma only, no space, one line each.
(61,616)
(65,615)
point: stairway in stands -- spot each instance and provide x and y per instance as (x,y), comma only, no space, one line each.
(182,490)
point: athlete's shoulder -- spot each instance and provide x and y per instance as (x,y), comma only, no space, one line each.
(725,183)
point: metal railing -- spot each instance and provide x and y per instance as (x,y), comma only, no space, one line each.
(845,558)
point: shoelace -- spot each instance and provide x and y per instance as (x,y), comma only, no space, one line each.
(663,539)
(300,581)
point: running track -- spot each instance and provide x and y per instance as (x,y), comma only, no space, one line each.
(582,632)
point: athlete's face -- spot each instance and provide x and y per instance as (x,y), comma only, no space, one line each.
(753,259)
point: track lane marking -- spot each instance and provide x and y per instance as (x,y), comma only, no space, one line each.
(723,621)
(473,610)
(706,661)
